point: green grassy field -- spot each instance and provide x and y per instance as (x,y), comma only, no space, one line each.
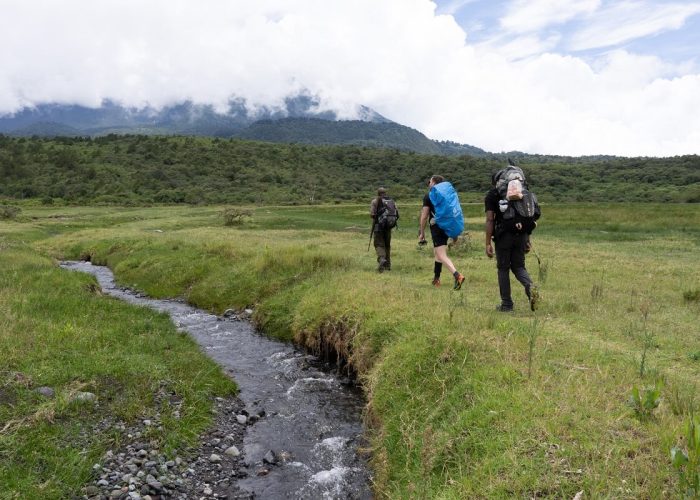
(463,402)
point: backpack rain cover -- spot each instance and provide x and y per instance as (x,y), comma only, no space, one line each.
(448,211)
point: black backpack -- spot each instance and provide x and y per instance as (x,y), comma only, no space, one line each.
(518,205)
(387,213)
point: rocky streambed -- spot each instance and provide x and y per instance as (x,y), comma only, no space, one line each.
(294,431)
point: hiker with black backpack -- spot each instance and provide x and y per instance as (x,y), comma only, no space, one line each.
(442,210)
(385,216)
(511,216)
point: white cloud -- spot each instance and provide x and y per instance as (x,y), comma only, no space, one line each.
(396,56)
(531,15)
(521,47)
(629,20)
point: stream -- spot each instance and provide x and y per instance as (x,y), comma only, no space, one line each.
(311,418)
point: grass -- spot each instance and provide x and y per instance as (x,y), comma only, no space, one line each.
(462,402)
(56,331)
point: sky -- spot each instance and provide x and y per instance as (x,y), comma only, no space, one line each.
(573,77)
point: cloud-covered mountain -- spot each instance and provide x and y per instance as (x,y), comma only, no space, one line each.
(186,118)
(299,120)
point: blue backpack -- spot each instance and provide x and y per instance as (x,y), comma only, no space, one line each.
(448,212)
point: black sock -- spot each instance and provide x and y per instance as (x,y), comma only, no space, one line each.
(455,274)
(437,269)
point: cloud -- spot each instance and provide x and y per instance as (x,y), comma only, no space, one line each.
(531,15)
(628,20)
(395,56)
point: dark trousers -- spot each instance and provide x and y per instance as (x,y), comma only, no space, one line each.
(510,256)
(382,245)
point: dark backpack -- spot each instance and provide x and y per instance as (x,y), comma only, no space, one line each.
(518,205)
(387,213)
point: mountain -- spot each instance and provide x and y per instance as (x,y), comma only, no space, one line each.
(47,129)
(360,133)
(299,120)
(385,134)
(185,118)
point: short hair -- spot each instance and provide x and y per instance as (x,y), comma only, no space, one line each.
(381,191)
(437,179)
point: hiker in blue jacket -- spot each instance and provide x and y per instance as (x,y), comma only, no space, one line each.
(439,237)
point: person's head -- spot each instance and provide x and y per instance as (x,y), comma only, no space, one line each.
(495,176)
(381,192)
(435,179)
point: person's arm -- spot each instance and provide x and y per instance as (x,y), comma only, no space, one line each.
(424,216)
(373,209)
(488,229)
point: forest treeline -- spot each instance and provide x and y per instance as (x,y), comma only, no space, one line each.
(134,169)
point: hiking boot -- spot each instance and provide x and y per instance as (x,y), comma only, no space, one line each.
(534,297)
(382,265)
(504,309)
(459,279)
(436,282)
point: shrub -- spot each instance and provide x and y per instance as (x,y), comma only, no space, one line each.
(9,212)
(686,460)
(645,402)
(692,295)
(235,216)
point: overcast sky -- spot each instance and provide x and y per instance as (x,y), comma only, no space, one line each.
(542,76)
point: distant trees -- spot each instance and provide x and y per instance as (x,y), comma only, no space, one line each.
(147,169)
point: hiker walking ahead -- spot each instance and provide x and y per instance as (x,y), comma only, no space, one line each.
(511,215)
(445,222)
(384,217)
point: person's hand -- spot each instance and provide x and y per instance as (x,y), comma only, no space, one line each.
(421,236)
(489,251)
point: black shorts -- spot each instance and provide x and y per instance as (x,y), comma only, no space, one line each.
(439,236)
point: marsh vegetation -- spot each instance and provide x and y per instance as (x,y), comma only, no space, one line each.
(462,401)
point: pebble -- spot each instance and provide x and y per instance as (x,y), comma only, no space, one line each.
(232,451)
(47,392)
(242,419)
(140,470)
(156,485)
(84,396)
(270,458)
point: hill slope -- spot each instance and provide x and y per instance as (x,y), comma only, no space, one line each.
(299,120)
(315,131)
